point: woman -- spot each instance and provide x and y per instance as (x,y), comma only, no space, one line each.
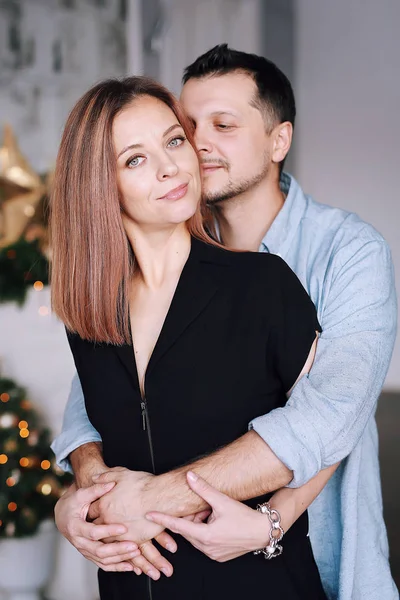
(160,318)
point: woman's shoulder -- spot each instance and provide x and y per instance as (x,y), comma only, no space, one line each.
(248,261)
(261,265)
(259,271)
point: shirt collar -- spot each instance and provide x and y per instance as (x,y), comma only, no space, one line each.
(279,236)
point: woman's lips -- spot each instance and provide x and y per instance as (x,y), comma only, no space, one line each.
(176,193)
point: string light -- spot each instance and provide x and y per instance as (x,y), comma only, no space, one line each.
(3,459)
(7,420)
(38,286)
(24,462)
(46,489)
(23,425)
(4,397)
(24,433)
(45,464)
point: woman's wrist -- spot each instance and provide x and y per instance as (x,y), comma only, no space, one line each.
(273,547)
(261,530)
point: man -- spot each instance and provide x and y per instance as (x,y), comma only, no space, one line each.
(243,111)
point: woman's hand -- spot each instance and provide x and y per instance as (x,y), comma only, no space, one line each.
(127,503)
(70,515)
(232,529)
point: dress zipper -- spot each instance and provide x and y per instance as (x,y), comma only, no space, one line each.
(146,427)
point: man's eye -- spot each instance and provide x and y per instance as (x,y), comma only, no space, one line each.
(176,141)
(135,161)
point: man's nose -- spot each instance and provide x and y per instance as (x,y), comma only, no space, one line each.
(202,141)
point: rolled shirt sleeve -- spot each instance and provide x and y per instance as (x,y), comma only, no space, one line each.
(328,410)
(76,428)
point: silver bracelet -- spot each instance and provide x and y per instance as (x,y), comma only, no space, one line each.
(275,534)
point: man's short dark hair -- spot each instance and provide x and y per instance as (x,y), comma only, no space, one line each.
(275,98)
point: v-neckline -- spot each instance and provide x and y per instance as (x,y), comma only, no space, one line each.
(143,391)
(200,278)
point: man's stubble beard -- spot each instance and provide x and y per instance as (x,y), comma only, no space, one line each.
(235,189)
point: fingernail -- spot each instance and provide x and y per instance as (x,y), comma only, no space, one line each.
(166,572)
(137,571)
(192,476)
(120,530)
(153,574)
(149,518)
(171,547)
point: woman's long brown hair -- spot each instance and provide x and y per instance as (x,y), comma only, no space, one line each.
(92,260)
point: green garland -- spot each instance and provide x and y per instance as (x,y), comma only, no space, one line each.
(21,264)
(30,481)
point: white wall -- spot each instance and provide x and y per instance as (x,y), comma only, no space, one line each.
(50,53)
(348,95)
(195,26)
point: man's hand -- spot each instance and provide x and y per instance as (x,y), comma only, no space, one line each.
(87,461)
(70,514)
(232,529)
(127,503)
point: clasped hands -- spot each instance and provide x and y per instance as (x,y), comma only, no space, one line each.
(119,536)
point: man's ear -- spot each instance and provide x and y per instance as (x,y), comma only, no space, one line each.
(282,135)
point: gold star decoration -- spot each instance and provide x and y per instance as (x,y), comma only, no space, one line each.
(22,190)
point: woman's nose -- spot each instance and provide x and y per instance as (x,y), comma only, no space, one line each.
(167,168)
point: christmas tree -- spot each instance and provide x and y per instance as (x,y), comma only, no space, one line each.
(30,481)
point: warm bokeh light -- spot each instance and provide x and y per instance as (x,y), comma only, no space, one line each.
(38,286)
(24,433)
(3,459)
(45,464)
(5,397)
(10,481)
(24,462)
(23,425)
(46,489)
(12,507)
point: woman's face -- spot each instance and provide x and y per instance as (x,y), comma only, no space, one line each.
(157,169)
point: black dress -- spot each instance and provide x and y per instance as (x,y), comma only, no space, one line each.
(235,339)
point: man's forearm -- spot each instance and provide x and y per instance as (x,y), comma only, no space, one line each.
(86,461)
(244,469)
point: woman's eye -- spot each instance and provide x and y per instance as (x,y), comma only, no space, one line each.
(223,126)
(176,141)
(135,161)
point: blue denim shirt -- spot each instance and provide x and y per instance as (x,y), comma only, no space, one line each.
(345,266)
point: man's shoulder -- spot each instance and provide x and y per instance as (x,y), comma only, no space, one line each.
(338,225)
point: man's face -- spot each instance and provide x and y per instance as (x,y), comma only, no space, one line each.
(231,135)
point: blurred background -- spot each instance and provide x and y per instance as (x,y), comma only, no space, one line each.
(343,59)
